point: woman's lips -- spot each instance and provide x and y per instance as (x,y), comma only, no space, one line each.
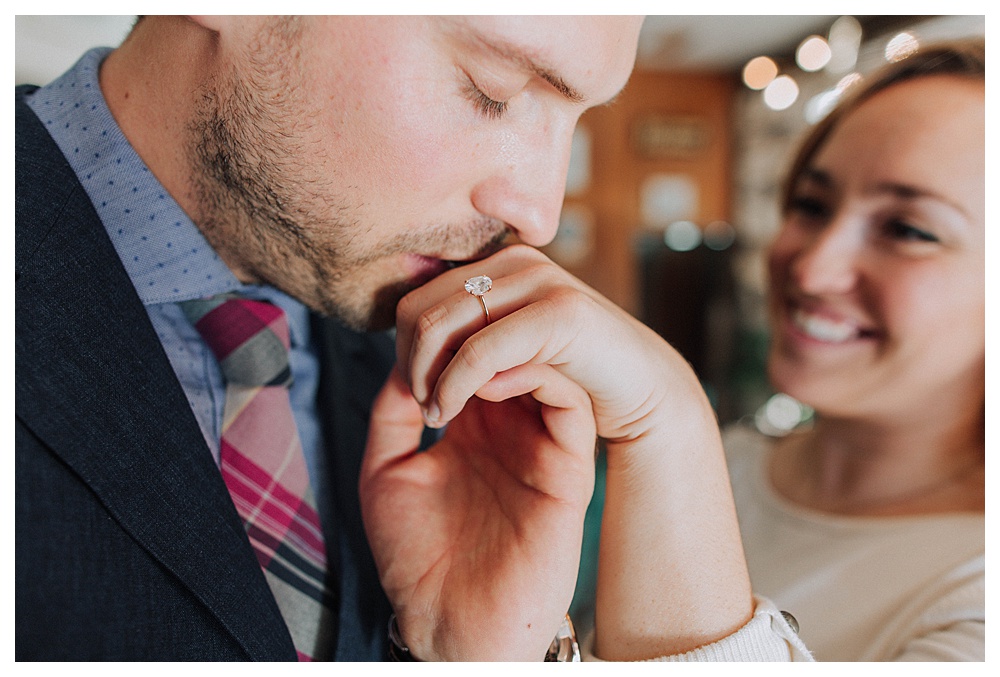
(825,327)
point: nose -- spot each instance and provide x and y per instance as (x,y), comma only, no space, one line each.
(526,187)
(828,260)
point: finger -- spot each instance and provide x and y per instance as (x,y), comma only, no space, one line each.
(445,314)
(566,408)
(442,330)
(437,334)
(533,334)
(449,286)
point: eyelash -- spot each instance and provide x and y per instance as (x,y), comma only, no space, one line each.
(491,108)
(900,230)
(815,211)
(807,206)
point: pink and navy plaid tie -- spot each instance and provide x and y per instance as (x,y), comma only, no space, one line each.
(262,461)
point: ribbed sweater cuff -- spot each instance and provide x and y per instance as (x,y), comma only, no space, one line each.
(766,637)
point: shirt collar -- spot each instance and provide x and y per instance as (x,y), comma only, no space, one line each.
(163,251)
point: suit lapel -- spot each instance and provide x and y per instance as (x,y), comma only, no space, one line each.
(94,384)
(354,367)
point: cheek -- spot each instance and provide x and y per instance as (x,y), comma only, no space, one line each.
(388,128)
(942,313)
(414,155)
(779,260)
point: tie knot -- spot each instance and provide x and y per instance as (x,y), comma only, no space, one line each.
(249,338)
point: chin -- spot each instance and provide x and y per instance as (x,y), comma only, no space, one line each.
(792,380)
(375,314)
(373,319)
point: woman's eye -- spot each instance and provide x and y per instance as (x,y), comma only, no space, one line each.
(489,107)
(902,231)
(808,207)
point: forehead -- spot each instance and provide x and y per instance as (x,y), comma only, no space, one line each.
(931,129)
(591,55)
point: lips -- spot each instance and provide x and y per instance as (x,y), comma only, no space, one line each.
(828,327)
(421,269)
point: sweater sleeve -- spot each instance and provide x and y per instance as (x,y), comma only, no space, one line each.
(766,637)
(947,623)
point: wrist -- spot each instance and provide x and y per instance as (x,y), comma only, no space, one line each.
(564,647)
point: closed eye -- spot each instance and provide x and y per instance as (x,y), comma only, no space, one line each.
(491,108)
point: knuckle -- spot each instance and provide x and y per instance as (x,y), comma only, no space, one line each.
(406,310)
(470,356)
(545,272)
(521,252)
(430,324)
(569,301)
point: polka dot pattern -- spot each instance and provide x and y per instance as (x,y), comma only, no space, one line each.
(165,254)
(163,251)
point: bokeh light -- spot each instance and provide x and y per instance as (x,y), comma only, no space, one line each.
(845,41)
(901,46)
(848,81)
(781,93)
(719,235)
(682,236)
(781,414)
(759,72)
(813,53)
(821,104)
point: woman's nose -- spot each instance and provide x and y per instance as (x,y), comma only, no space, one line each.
(828,261)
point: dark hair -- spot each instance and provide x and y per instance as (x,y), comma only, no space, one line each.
(965,58)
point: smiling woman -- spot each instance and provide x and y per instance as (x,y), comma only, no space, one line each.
(877,274)
(867,527)
(878,323)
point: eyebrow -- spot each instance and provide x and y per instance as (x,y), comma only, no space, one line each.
(900,190)
(519,58)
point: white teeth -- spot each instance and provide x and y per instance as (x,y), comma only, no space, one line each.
(823,328)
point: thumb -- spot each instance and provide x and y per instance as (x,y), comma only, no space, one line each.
(395,427)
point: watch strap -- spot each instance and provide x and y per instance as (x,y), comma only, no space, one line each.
(564,647)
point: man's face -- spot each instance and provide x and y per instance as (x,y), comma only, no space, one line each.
(347,160)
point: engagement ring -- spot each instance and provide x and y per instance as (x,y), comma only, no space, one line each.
(477,286)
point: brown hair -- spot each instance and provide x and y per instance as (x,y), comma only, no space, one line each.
(966,58)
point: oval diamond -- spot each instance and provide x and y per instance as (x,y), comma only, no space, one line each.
(478,285)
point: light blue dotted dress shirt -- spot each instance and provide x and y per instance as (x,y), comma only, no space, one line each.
(165,254)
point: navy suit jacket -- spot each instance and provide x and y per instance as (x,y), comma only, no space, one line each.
(127,545)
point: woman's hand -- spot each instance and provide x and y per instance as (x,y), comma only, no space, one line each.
(480,535)
(541,315)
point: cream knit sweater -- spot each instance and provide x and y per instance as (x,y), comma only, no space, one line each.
(861,589)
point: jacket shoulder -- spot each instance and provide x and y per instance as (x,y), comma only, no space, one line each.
(44,183)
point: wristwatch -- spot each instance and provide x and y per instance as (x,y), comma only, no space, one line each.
(563,649)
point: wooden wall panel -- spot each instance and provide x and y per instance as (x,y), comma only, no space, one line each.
(701,104)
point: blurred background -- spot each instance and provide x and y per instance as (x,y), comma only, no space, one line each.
(672,192)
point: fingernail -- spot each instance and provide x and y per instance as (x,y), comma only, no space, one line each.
(432,416)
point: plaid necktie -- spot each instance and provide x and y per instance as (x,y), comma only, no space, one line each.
(262,461)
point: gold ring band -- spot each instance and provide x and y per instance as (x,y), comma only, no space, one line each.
(478,286)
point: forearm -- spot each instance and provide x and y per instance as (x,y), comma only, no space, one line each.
(768,637)
(671,574)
